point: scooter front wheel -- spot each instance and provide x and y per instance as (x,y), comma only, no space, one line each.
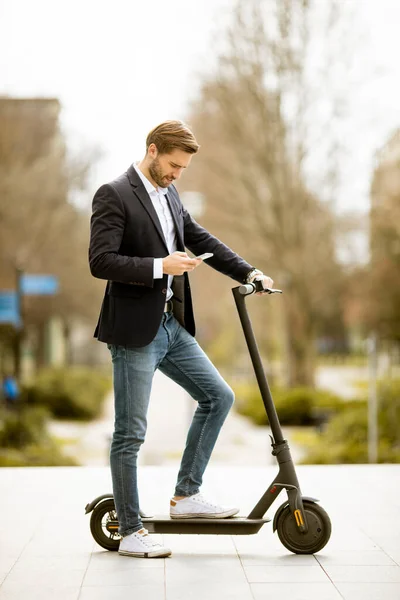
(104,525)
(319,529)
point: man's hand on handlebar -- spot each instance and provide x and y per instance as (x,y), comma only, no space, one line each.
(266,281)
(179,262)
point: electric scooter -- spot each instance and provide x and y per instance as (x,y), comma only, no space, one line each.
(303,526)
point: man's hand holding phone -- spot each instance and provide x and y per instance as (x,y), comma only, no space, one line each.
(179,262)
(204,256)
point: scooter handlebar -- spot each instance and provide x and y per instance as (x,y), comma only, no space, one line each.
(257,286)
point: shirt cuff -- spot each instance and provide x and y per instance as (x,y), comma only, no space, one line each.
(158,268)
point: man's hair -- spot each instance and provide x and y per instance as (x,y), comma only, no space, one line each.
(170,135)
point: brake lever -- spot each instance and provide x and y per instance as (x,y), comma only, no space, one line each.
(259,287)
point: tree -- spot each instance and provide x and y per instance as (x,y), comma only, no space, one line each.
(255,123)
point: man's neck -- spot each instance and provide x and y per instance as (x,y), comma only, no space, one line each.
(143,167)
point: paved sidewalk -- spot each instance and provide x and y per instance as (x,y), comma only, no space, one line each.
(170,411)
(47,552)
(341,379)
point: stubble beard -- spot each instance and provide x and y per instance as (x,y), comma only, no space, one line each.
(157,174)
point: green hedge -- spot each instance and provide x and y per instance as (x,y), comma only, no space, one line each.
(38,455)
(25,441)
(345,438)
(19,428)
(71,393)
(295,406)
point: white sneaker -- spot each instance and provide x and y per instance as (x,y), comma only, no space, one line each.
(142,545)
(198,507)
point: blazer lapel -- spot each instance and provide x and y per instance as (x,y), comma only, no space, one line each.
(145,199)
(177,218)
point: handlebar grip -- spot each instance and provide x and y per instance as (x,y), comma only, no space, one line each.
(246,289)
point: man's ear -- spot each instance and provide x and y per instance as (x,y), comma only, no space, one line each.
(152,151)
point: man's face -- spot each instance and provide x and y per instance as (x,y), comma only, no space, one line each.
(167,168)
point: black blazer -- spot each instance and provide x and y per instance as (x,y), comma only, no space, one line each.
(125,237)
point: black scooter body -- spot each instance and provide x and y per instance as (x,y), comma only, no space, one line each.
(303,526)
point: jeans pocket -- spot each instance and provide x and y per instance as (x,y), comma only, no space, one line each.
(113,350)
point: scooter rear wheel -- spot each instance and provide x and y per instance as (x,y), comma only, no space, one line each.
(102,516)
(319,529)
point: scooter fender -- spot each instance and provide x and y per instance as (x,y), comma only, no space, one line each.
(284,505)
(89,507)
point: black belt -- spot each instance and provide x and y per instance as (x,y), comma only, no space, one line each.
(168,306)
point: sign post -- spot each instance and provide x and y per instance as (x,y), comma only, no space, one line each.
(11,305)
(373,400)
(19,333)
(9,312)
(38,285)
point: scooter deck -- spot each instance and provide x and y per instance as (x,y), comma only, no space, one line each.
(229,526)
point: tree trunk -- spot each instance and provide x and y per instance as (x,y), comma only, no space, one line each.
(300,350)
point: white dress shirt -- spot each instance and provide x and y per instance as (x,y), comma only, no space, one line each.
(159,200)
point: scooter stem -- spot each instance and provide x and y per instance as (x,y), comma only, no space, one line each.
(257,364)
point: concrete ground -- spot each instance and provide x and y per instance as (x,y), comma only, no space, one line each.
(47,551)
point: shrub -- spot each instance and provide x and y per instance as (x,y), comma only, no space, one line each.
(248,402)
(24,426)
(24,439)
(39,455)
(345,439)
(295,406)
(389,410)
(73,393)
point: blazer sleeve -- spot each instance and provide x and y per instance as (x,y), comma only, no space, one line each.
(106,231)
(225,260)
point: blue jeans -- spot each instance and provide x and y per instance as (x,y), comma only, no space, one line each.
(177,354)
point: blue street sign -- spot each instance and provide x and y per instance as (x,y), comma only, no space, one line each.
(9,310)
(39,285)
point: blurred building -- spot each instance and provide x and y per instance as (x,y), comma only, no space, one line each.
(43,233)
(30,138)
(39,114)
(29,130)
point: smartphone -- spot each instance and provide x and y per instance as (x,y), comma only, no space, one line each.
(205,255)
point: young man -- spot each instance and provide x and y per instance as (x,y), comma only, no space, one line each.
(139,231)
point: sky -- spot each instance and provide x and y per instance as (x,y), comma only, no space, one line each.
(121,67)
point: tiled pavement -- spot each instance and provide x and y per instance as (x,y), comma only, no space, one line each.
(47,552)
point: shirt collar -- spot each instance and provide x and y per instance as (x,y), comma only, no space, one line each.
(147,184)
